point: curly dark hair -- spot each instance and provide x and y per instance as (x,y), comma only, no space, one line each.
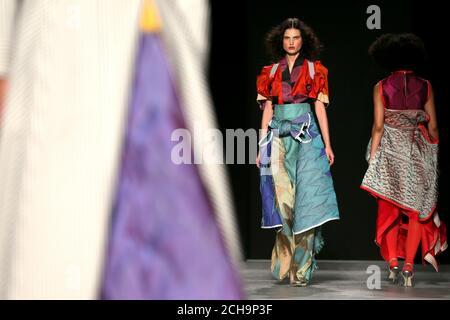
(311,45)
(404,51)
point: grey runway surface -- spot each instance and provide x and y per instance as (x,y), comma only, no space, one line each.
(338,280)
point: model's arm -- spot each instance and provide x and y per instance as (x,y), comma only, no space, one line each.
(378,121)
(323,123)
(266,117)
(431,111)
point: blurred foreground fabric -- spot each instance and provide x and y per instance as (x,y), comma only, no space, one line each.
(165,242)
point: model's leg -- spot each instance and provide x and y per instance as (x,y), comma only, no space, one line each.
(412,241)
(392,231)
(388,225)
(303,263)
(281,256)
(284,192)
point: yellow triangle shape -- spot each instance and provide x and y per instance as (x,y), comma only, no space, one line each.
(150,20)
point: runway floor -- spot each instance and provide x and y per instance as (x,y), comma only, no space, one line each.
(347,280)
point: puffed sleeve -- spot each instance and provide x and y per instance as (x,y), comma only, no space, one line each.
(263,84)
(321,83)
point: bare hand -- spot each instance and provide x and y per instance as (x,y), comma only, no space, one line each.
(258,159)
(330,155)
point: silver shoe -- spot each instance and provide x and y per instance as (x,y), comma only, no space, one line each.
(407,278)
(393,274)
(299,283)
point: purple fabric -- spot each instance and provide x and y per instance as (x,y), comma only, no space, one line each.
(271,215)
(403,90)
(164,242)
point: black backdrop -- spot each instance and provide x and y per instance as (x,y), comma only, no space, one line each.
(236,56)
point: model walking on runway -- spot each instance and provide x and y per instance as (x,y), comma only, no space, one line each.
(402,155)
(295,152)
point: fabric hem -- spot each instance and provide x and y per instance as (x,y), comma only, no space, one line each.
(375,194)
(271,227)
(317,225)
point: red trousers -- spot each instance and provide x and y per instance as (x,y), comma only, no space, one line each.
(399,233)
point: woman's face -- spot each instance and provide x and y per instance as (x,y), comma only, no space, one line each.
(292,41)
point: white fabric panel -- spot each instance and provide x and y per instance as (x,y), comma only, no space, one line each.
(60,142)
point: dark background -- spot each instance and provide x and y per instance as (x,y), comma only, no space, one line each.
(236,57)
